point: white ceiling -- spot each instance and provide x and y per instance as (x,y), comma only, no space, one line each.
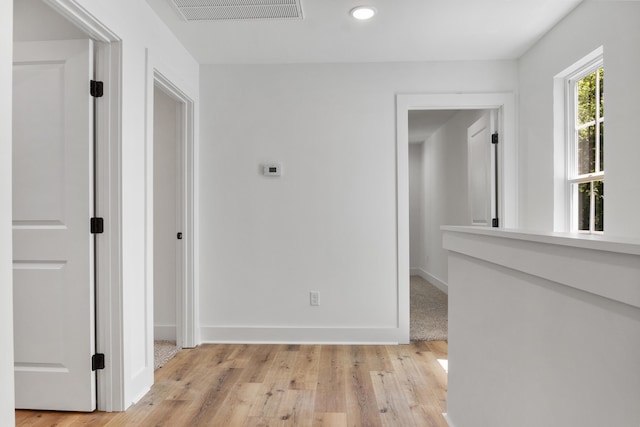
(424,123)
(403,30)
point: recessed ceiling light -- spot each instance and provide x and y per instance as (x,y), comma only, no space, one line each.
(362,13)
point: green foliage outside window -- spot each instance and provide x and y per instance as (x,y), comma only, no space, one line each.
(584,205)
(590,148)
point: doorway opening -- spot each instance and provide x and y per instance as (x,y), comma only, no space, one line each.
(451,182)
(173,215)
(44,28)
(167,224)
(506,189)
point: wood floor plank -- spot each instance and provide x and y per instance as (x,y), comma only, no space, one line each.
(49,418)
(416,389)
(92,419)
(180,364)
(240,356)
(211,403)
(145,407)
(378,358)
(192,386)
(26,418)
(235,408)
(305,372)
(393,407)
(330,419)
(432,371)
(274,386)
(438,348)
(233,385)
(260,363)
(261,422)
(362,408)
(166,413)
(331,392)
(296,409)
(218,354)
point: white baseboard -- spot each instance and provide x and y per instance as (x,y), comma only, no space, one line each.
(164,332)
(448,419)
(292,335)
(431,279)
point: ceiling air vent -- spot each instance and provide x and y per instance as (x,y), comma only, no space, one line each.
(234,10)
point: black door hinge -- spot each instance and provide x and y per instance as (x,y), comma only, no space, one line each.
(97,225)
(97,361)
(179,236)
(495,222)
(494,138)
(96,88)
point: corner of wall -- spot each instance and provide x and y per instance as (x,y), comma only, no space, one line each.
(435,281)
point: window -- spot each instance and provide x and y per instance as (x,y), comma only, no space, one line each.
(585,172)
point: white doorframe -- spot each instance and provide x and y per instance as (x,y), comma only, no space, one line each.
(507,174)
(109,339)
(185,292)
(110,334)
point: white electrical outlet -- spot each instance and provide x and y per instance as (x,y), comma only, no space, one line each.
(314,298)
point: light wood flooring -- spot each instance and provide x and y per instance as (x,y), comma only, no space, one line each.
(284,385)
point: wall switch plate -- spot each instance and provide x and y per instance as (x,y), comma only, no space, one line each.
(314,298)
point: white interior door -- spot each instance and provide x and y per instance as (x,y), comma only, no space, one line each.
(481,171)
(54,320)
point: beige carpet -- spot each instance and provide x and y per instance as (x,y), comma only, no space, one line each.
(429,318)
(163,351)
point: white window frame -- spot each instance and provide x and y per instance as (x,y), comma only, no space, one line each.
(568,80)
(574,178)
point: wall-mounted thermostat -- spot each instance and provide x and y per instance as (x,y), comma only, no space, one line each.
(273,169)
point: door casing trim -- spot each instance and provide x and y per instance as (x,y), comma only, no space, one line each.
(109,307)
(185,293)
(508,172)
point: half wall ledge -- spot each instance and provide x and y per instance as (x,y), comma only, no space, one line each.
(585,262)
(544,329)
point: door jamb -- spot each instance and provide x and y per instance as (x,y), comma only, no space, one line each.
(185,293)
(508,172)
(109,322)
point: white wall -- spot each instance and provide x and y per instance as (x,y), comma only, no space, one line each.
(443,195)
(7,414)
(164,220)
(417,214)
(614,25)
(329,223)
